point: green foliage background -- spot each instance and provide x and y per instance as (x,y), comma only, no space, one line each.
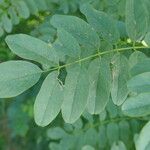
(116,53)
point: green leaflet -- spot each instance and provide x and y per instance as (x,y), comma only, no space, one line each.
(137,106)
(112,133)
(13,15)
(75,93)
(32,48)
(41,4)
(82,31)
(32,6)
(124,129)
(56,133)
(120,75)
(143,140)
(102,136)
(141,67)
(122,29)
(140,83)
(22,9)
(100,82)
(16,77)
(49,100)
(7,24)
(112,109)
(66,44)
(102,23)
(135,58)
(135,12)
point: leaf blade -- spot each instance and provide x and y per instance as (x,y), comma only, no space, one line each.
(137,106)
(48,101)
(102,23)
(16,77)
(75,93)
(100,83)
(119,89)
(31,48)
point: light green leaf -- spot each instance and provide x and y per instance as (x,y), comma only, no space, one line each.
(122,29)
(32,48)
(22,9)
(66,44)
(140,83)
(41,4)
(135,12)
(135,58)
(13,15)
(82,31)
(32,6)
(143,140)
(120,75)
(78,124)
(102,23)
(141,67)
(137,106)
(16,77)
(100,82)
(48,101)
(56,133)
(75,93)
(6,22)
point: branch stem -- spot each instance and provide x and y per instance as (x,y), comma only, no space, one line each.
(96,55)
